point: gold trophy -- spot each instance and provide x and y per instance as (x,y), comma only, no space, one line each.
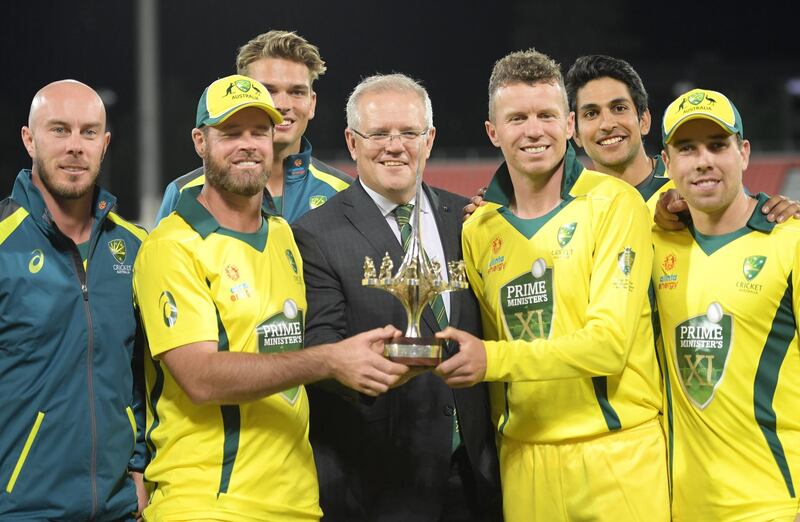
(416,284)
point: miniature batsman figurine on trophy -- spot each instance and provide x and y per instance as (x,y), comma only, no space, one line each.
(416,284)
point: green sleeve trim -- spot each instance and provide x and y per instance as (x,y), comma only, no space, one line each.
(25,451)
(10,223)
(231,421)
(153,397)
(601,393)
(136,230)
(773,354)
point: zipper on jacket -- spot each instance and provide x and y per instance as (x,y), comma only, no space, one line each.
(81,273)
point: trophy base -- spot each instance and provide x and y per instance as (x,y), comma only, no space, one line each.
(415,351)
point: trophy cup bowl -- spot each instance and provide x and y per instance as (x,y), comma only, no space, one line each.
(415,284)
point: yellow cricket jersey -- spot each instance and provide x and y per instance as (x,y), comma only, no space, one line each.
(195,281)
(656,183)
(565,311)
(728,309)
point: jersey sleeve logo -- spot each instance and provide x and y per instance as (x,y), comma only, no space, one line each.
(283,332)
(527,303)
(702,348)
(37,261)
(169,310)
(625,260)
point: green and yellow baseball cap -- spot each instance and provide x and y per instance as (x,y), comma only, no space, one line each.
(228,95)
(701,103)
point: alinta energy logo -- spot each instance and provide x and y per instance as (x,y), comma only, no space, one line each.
(497,263)
(119,253)
(243,86)
(232,272)
(37,261)
(169,310)
(751,267)
(668,281)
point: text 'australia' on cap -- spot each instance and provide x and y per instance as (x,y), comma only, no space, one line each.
(228,95)
(701,104)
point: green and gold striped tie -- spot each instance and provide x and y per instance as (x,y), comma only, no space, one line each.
(402,213)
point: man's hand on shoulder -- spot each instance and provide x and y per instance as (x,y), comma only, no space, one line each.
(670,205)
(780,208)
(474,202)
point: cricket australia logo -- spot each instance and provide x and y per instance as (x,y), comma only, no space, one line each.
(696,98)
(752,266)
(119,253)
(565,234)
(283,332)
(117,249)
(527,304)
(702,349)
(292,262)
(316,201)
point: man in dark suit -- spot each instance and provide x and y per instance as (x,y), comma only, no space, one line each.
(421,452)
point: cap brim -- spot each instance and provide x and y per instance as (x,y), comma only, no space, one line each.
(273,114)
(698,116)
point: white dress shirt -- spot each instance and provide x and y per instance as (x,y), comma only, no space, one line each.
(431,240)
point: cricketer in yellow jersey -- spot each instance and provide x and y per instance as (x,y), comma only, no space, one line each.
(220,290)
(559,258)
(728,291)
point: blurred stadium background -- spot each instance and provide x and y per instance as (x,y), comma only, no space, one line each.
(151,59)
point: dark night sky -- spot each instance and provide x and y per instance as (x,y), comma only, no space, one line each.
(449,45)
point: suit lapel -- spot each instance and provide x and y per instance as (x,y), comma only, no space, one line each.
(366,218)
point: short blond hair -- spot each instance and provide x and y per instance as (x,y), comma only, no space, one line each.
(395,82)
(281,44)
(529,67)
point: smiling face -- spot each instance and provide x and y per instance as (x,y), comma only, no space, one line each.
(390,169)
(531,126)
(66,138)
(237,153)
(608,126)
(289,84)
(706,163)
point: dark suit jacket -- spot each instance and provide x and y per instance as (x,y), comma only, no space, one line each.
(386,459)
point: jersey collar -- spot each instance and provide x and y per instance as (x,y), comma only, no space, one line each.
(295,166)
(201,220)
(501,190)
(26,194)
